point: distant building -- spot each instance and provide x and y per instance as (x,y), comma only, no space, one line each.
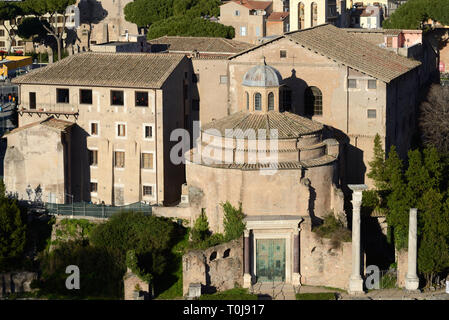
(309,13)
(371,17)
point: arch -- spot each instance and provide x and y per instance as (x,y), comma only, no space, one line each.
(314,14)
(313,101)
(270,101)
(257,101)
(300,16)
(247,100)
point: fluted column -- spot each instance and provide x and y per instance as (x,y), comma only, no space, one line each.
(296,277)
(411,279)
(356,281)
(247,259)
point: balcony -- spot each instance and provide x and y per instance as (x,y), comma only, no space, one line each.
(58,110)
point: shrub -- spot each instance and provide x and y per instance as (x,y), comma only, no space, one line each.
(333,229)
(316,296)
(233,221)
(232,294)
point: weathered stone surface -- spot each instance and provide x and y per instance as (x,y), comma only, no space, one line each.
(130,281)
(219,267)
(16,282)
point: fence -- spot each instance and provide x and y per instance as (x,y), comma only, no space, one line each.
(94,210)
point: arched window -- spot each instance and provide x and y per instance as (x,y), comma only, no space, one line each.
(300,16)
(257,101)
(270,101)
(314,13)
(313,101)
(247,101)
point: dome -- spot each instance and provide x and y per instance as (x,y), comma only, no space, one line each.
(262,76)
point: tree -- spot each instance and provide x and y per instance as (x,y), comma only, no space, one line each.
(192,27)
(146,12)
(434,118)
(9,12)
(53,8)
(32,28)
(200,231)
(233,221)
(377,165)
(12,230)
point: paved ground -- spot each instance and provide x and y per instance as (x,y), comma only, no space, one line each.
(274,291)
(398,294)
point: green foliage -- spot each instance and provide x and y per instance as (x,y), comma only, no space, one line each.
(32,28)
(316,296)
(200,230)
(73,229)
(133,264)
(377,165)
(415,13)
(187,26)
(12,231)
(233,221)
(42,7)
(146,12)
(232,294)
(333,229)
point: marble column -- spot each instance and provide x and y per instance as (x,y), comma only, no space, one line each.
(247,259)
(296,276)
(356,281)
(411,279)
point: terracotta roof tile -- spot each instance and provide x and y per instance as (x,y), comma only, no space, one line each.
(254,5)
(278,16)
(50,122)
(131,70)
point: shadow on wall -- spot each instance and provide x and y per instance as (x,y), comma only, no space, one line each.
(78,158)
(297,86)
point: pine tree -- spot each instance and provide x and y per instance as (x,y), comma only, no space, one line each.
(233,221)
(200,231)
(377,165)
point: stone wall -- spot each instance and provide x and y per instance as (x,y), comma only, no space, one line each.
(216,268)
(402,260)
(16,282)
(130,280)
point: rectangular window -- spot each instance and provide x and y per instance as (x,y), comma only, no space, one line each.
(352,83)
(93,157)
(283,53)
(147,190)
(148,132)
(147,161)
(372,113)
(196,105)
(243,31)
(237,13)
(119,159)
(32,100)
(62,95)
(141,99)
(93,187)
(85,96)
(116,98)
(223,79)
(2,33)
(121,130)
(94,129)
(372,84)
(2,43)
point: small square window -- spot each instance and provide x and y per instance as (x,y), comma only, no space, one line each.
(283,53)
(141,99)
(237,13)
(372,113)
(147,161)
(85,96)
(116,98)
(352,83)
(93,187)
(94,129)
(223,79)
(62,95)
(147,190)
(121,130)
(372,84)
(148,132)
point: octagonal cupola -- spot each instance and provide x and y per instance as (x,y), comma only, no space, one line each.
(261,89)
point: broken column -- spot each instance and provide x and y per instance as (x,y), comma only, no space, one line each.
(356,281)
(411,279)
(247,259)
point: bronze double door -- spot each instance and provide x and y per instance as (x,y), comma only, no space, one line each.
(270,260)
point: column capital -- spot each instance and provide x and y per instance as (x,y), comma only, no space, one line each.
(246,232)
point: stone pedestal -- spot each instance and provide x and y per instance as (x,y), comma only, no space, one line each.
(411,279)
(356,281)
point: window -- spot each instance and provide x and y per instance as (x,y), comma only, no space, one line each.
(223,79)
(372,113)
(85,96)
(93,187)
(283,54)
(94,128)
(247,101)
(195,105)
(141,99)
(116,98)
(2,43)
(147,190)
(121,130)
(2,33)
(62,95)
(237,13)
(93,157)
(270,101)
(313,101)
(119,159)
(147,161)
(372,84)
(257,101)
(352,83)
(148,132)
(32,100)
(243,31)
